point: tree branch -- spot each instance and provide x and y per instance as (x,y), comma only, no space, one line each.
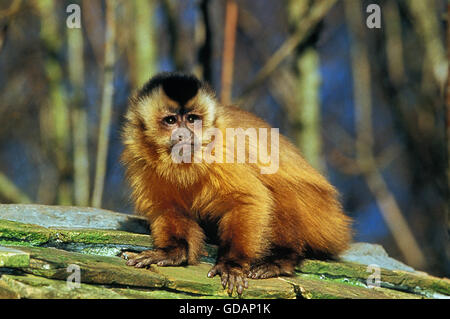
(107,103)
(11,192)
(308,24)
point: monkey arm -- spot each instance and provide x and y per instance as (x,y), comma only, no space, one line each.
(243,239)
(178,240)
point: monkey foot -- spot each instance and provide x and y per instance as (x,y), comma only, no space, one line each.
(232,276)
(270,269)
(159,257)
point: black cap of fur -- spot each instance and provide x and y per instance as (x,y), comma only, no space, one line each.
(177,86)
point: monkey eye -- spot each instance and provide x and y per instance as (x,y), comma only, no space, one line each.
(191,118)
(170,119)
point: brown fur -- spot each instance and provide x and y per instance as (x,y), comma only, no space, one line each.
(266,222)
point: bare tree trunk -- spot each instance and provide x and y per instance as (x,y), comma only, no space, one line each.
(144,40)
(107,104)
(307,85)
(55,115)
(79,117)
(229,43)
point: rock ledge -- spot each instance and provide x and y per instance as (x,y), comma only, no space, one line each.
(40,246)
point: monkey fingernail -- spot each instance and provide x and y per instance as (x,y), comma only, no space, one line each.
(230,288)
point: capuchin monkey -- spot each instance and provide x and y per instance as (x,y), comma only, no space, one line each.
(268,208)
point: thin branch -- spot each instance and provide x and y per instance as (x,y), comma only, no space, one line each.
(229,43)
(107,103)
(427,26)
(11,192)
(79,117)
(364,140)
(308,24)
(343,163)
(11,10)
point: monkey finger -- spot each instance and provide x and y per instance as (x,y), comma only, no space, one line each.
(231,284)
(131,262)
(138,262)
(127,255)
(166,262)
(212,272)
(259,273)
(239,285)
(144,261)
(225,279)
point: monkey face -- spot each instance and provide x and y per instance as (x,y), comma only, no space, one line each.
(174,111)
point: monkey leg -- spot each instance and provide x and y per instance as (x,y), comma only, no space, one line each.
(178,240)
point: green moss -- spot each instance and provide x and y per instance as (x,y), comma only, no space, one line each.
(311,288)
(99,236)
(19,234)
(13,258)
(13,232)
(399,280)
(193,279)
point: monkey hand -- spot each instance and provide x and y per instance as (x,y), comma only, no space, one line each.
(232,275)
(160,257)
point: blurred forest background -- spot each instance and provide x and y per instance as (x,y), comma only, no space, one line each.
(367,106)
